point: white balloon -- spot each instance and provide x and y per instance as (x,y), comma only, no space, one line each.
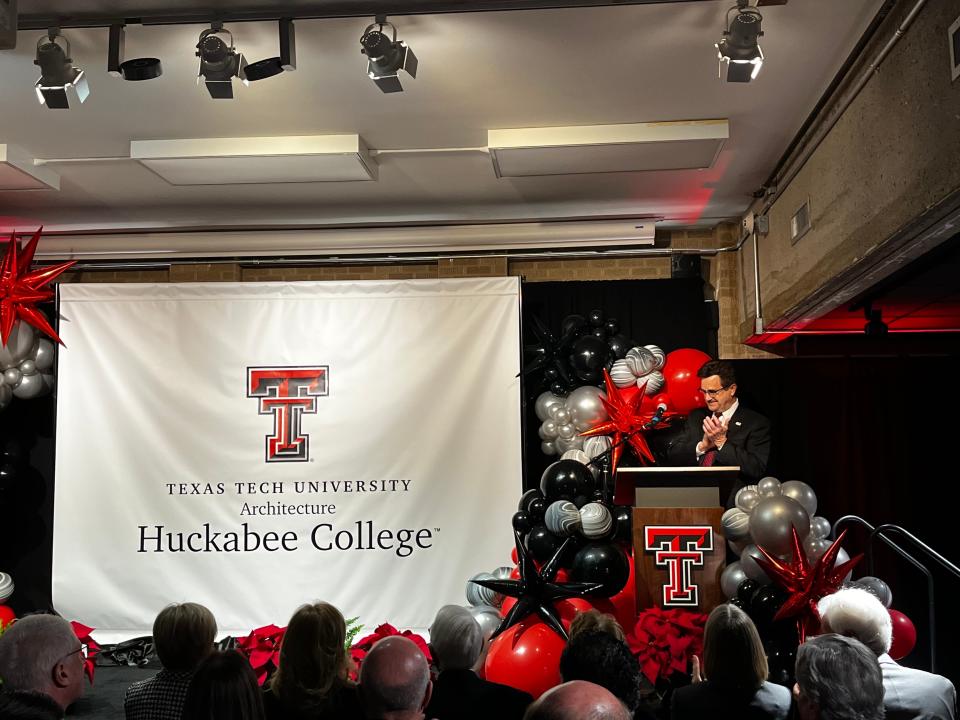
(621,374)
(596,444)
(6,587)
(659,356)
(653,384)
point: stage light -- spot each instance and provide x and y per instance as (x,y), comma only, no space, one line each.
(739,47)
(134,70)
(274,66)
(219,62)
(57,73)
(387,56)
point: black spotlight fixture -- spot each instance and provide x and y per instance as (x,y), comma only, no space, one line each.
(875,325)
(220,63)
(262,69)
(135,69)
(739,47)
(58,76)
(387,56)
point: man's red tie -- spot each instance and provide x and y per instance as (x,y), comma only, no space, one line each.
(710,456)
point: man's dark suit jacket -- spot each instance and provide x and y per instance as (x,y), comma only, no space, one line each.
(747,445)
(462,695)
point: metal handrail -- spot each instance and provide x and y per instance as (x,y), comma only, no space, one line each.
(879,533)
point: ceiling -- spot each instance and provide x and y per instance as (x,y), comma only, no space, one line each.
(478,71)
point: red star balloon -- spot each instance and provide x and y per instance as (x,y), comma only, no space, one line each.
(626,417)
(21,289)
(806,583)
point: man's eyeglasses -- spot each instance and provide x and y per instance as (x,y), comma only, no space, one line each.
(714,393)
(73,652)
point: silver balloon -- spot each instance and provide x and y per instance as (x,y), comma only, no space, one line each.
(487,617)
(548,430)
(563,417)
(772,522)
(735,524)
(477,594)
(30,386)
(6,587)
(748,561)
(843,557)
(554,411)
(562,518)
(596,444)
(660,357)
(503,572)
(621,374)
(6,395)
(44,354)
(746,498)
(12,376)
(819,527)
(768,487)
(586,409)
(737,546)
(653,383)
(548,448)
(731,578)
(574,443)
(545,401)
(814,547)
(802,493)
(49,380)
(28,367)
(19,345)
(876,587)
(566,431)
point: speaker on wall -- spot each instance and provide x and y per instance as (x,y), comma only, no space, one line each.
(685,265)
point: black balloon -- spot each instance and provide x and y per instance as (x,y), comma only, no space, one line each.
(600,334)
(565,480)
(601,563)
(551,374)
(12,450)
(559,389)
(581,500)
(764,603)
(522,522)
(525,499)
(745,590)
(7,473)
(611,326)
(623,524)
(737,602)
(541,543)
(589,355)
(618,345)
(537,508)
(595,318)
(573,326)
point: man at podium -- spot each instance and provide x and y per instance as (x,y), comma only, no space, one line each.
(725,433)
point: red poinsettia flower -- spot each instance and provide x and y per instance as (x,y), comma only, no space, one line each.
(90,648)
(262,648)
(360,649)
(663,641)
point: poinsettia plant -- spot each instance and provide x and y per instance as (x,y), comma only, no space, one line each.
(89,646)
(359,651)
(262,649)
(663,641)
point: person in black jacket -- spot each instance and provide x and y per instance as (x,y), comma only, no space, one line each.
(458,693)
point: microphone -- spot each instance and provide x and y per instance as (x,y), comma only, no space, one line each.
(658,415)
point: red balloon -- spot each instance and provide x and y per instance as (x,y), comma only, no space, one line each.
(7,616)
(513,556)
(904,635)
(682,383)
(527,656)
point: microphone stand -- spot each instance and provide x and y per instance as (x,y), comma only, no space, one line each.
(607,485)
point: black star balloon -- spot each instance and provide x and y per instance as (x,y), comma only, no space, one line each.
(536,590)
(549,352)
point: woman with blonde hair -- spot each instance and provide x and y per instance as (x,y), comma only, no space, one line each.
(311,680)
(734,681)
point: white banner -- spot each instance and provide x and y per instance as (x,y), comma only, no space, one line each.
(255,446)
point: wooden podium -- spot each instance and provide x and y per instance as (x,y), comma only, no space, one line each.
(678,549)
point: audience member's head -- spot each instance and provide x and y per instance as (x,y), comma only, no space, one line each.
(595,621)
(313,656)
(41,654)
(733,656)
(455,638)
(28,706)
(223,687)
(577,700)
(602,659)
(858,614)
(395,680)
(183,636)
(838,678)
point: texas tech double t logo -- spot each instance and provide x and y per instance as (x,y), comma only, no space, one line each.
(679,549)
(287,393)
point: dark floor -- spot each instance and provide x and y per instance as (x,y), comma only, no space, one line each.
(104,699)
